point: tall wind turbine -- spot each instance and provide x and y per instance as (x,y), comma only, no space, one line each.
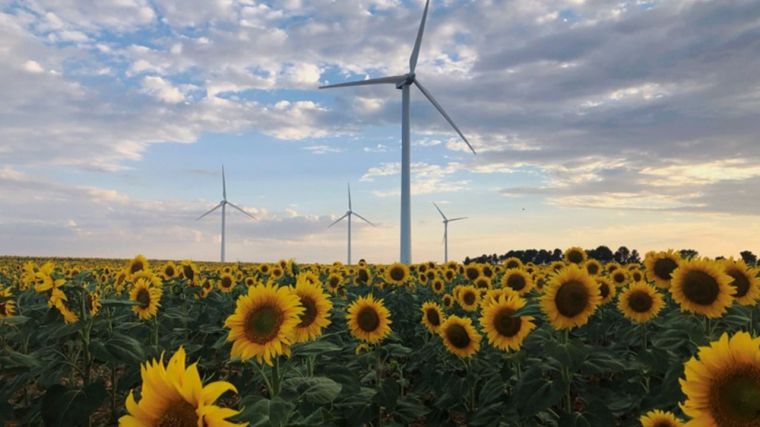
(223,204)
(446,222)
(348,215)
(404,82)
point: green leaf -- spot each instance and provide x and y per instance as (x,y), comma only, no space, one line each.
(125,348)
(117,302)
(14,320)
(320,390)
(66,407)
(315,348)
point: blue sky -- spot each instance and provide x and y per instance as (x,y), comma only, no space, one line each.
(608,122)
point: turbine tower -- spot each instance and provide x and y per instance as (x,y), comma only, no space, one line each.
(404,82)
(446,222)
(223,204)
(349,213)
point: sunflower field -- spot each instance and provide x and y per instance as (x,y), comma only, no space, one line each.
(668,342)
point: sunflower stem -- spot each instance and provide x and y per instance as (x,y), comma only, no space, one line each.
(276,377)
(155,333)
(265,378)
(378,381)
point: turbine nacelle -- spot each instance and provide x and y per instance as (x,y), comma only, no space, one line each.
(407,81)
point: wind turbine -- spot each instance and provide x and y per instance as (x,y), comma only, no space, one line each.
(446,222)
(348,215)
(404,82)
(223,204)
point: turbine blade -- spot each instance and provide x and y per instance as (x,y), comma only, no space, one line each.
(241,210)
(458,219)
(224,185)
(377,81)
(349,196)
(364,219)
(338,220)
(418,42)
(443,113)
(440,211)
(219,205)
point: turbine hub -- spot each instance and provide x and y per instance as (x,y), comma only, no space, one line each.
(408,80)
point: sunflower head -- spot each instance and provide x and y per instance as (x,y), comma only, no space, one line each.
(575,255)
(518,280)
(169,271)
(459,336)
(226,283)
(659,418)
(512,262)
(397,273)
(702,287)
(504,329)
(468,297)
(432,316)
(593,267)
(640,302)
(472,271)
(661,265)
(619,277)
(316,314)
(606,289)
(448,301)
(744,281)
(570,298)
(368,319)
(137,264)
(438,285)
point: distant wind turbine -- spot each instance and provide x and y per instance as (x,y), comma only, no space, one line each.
(403,82)
(348,215)
(223,204)
(446,222)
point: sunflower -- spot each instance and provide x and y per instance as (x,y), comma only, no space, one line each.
(363,276)
(147,296)
(226,283)
(660,266)
(368,319)
(92,302)
(619,277)
(7,308)
(277,272)
(570,298)
(139,263)
(512,262)
(746,285)
(264,322)
(593,267)
(448,301)
(468,297)
(487,271)
(483,282)
(722,386)
(575,255)
(169,271)
(438,285)
(334,282)
(503,329)
(316,314)
(69,316)
(636,275)
(518,280)
(702,287)
(640,302)
(659,418)
(397,273)
(174,395)
(432,316)
(264,269)
(472,271)
(190,272)
(459,336)
(606,290)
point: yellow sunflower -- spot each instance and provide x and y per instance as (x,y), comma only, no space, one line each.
(660,266)
(575,255)
(190,272)
(746,285)
(482,282)
(468,297)
(316,314)
(570,298)
(659,418)
(139,263)
(174,395)
(640,302)
(619,277)
(169,271)
(606,290)
(226,283)
(368,319)
(7,306)
(264,322)
(397,273)
(432,316)
(92,302)
(518,280)
(722,385)
(512,262)
(701,287)
(147,296)
(503,329)
(635,275)
(438,285)
(472,271)
(448,301)
(459,336)
(593,267)
(363,276)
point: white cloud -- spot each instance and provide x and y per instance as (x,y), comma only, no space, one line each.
(33,67)
(162,89)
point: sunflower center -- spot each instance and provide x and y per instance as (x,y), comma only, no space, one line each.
(362,276)
(640,302)
(309,313)
(472,273)
(664,267)
(263,324)
(663,424)
(592,268)
(572,298)
(397,274)
(3,312)
(367,319)
(458,336)
(604,290)
(178,414)
(512,264)
(170,271)
(740,283)
(468,298)
(226,282)
(437,286)
(700,287)
(143,298)
(735,400)
(506,324)
(619,278)
(575,257)
(516,282)
(334,282)
(137,266)
(433,317)
(188,272)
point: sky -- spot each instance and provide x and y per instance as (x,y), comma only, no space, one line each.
(596,122)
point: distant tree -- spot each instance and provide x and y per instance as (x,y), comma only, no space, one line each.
(556,255)
(634,258)
(749,257)
(601,253)
(622,254)
(688,253)
(467,260)
(542,257)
